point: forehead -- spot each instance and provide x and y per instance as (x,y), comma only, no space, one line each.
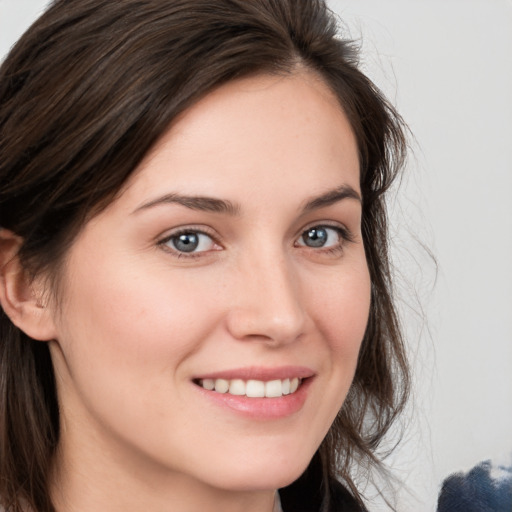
(251,132)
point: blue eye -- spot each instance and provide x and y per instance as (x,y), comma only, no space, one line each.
(189,242)
(321,236)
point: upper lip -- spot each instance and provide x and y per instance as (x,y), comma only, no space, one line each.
(260,373)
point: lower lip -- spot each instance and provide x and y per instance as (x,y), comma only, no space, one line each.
(261,408)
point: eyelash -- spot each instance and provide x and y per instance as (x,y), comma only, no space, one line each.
(189,230)
(344,234)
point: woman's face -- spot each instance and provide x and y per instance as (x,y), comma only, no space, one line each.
(232,259)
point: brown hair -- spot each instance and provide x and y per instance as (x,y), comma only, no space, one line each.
(84,95)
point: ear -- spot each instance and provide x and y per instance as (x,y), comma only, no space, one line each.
(21,297)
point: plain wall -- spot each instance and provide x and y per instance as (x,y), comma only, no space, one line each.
(447,65)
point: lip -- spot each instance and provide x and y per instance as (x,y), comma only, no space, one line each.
(260,408)
(260,373)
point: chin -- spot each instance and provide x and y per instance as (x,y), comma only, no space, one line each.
(264,475)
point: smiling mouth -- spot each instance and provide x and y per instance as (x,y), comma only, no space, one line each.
(252,388)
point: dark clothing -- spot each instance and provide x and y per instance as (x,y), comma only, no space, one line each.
(306,494)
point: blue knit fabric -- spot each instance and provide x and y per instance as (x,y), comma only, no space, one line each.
(485,488)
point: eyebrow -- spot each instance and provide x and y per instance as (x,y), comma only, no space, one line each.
(201,203)
(215,205)
(331,197)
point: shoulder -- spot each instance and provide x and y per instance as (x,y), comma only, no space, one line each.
(307,494)
(297,498)
(342,499)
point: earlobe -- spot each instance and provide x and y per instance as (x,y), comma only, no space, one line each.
(20,297)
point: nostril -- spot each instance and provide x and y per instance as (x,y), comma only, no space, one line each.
(262,323)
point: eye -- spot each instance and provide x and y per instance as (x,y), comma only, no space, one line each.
(322,237)
(189,241)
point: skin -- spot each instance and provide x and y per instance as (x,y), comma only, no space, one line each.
(137,321)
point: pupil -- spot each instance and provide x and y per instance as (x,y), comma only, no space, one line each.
(187,242)
(316,237)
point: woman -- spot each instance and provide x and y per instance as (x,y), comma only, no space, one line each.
(196,299)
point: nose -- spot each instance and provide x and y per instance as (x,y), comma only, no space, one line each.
(267,303)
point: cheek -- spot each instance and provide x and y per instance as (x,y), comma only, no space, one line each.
(342,314)
(125,338)
(130,321)
(342,310)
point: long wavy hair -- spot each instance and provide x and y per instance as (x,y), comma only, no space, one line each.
(84,95)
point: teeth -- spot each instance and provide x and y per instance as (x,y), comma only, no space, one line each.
(252,388)
(221,385)
(237,387)
(255,388)
(208,384)
(273,388)
(286,386)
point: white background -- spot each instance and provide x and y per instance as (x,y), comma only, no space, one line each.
(447,65)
